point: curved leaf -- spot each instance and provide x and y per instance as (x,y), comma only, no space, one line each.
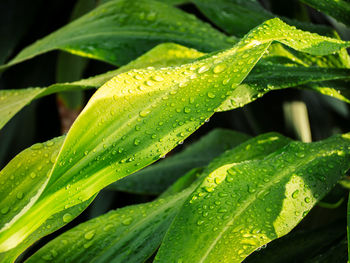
(263,78)
(164,55)
(121,30)
(140,115)
(336,253)
(240,207)
(237,17)
(20,180)
(339,9)
(129,234)
(298,246)
(268,77)
(135,232)
(156,178)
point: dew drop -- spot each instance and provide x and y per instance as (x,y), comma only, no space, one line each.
(19,195)
(4,210)
(144,113)
(67,217)
(295,194)
(127,221)
(32,175)
(89,235)
(211,95)
(220,68)
(203,69)
(187,110)
(137,142)
(157,78)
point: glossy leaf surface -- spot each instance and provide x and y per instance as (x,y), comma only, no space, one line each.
(140,115)
(266,76)
(237,17)
(121,30)
(19,182)
(339,9)
(156,178)
(164,55)
(141,228)
(299,245)
(241,206)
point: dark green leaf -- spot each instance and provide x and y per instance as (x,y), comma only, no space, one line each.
(121,30)
(156,178)
(339,9)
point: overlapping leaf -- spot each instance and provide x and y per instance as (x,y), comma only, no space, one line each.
(121,30)
(19,182)
(241,206)
(299,245)
(266,76)
(133,233)
(237,17)
(156,178)
(339,9)
(140,115)
(164,55)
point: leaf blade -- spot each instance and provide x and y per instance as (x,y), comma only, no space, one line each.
(252,217)
(89,159)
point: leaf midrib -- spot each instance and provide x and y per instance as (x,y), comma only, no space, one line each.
(250,201)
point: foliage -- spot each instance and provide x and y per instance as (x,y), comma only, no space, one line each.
(220,198)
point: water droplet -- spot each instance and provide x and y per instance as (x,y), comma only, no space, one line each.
(89,235)
(203,69)
(108,227)
(149,83)
(295,194)
(19,195)
(37,146)
(67,217)
(4,210)
(127,221)
(187,110)
(211,95)
(137,142)
(157,78)
(307,200)
(151,16)
(144,113)
(220,68)
(200,222)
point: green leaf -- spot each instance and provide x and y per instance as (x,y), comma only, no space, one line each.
(257,201)
(156,178)
(70,67)
(237,17)
(129,234)
(336,253)
(20,181)
(298,246)
(348,228)
(164,55)
(263,78)
(140,115)
(144,225)
(339,9)
(337,88)
(121,30)
(267,77)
